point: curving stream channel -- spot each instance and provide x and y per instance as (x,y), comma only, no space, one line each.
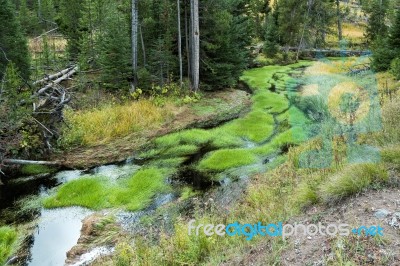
(200,159)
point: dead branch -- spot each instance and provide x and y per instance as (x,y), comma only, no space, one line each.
(25,162)
(54,76)
(57,81)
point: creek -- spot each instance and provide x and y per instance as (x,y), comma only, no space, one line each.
(194,158)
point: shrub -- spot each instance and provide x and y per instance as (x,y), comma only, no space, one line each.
(382,55)
(395,67)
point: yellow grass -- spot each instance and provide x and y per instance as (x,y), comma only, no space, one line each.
(56,43)
(98,126)
(334,67)
(353,31)
(309,90)
(387,81)
(335,98)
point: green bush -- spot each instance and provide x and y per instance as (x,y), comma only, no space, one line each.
(395,67)
(382,55)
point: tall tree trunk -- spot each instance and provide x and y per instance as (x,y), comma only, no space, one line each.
(309,4)
(180,43)
(40,10)
(187,40)
(339,20)
(143,46)
(134,43)
(194,6)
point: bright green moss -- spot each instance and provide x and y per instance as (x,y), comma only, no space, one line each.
(192,136)
(37,169)
(99,193)
(269,101)
(229,158)
(256,126)
(180,150)
(86,192)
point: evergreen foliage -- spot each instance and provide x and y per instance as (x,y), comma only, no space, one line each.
(13,44)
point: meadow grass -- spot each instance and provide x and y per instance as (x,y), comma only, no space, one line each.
(391,155)
(37,45)
(99,193)
(351,180)
(227,158)
(8,239)
(92,127)
(334,65)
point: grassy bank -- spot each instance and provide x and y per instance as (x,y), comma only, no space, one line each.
(93,127)
(112,132)
(8,239)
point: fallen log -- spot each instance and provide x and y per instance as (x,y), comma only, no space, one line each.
(53,76)
(27,162)
(328,52)
(57,81)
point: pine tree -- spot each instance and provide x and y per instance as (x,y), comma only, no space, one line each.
(225,30)
(47,14)
(69,21)
(394,36)
(115,49)
(13,44)
(28,20)
(377,11)
(13,94)
(271,46)
(291,18)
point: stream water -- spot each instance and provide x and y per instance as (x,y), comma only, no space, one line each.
(57,230)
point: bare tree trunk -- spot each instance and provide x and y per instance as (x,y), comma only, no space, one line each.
(187,41)
(309,3)
(194,6)
(180,43)
(40,9)
(339,20)
(143,47)
(134,43)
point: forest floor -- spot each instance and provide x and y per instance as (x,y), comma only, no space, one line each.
(213,109)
